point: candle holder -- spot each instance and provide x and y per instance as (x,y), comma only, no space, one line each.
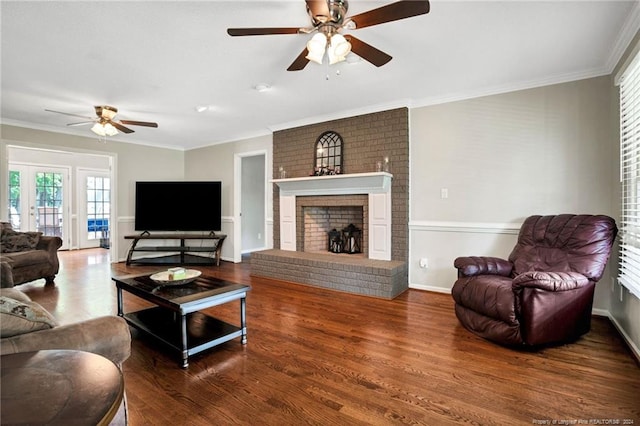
(335,241)
(352,239)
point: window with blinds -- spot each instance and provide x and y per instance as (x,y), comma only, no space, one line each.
(629,274)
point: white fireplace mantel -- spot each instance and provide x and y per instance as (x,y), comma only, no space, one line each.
(348,184)
(377,185)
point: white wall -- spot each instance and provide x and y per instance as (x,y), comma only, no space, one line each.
(217,162)
(503,158)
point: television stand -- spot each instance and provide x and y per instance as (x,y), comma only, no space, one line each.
(182,257)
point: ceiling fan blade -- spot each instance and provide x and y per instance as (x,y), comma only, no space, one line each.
(367,52)
(260,31)
(300,62)
(391,12)
(81,123)
(72,115)
(139,123)
(120,126)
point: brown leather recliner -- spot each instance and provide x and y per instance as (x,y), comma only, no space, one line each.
(544,293)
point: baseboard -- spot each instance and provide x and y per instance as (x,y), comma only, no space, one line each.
(252,250)
(430,288)
(632,346)
(600,312)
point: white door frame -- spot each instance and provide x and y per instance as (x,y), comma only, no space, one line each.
(113,161)
(27,171)
(237,198)
(81,204)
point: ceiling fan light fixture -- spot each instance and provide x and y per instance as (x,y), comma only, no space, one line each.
(98,129)
(104,129)
(110,130)
(316,47)
(338,49)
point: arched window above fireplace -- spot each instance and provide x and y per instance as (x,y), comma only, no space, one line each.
(328,153)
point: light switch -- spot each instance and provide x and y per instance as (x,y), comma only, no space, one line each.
(444,193)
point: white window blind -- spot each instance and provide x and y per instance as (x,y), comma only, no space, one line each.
(629,274)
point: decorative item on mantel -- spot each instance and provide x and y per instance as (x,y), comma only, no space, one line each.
(383,166)
(283,173)
(328,155)
(325,171)
(352,239)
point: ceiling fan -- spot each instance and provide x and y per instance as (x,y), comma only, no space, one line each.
(328,18)
(104,123)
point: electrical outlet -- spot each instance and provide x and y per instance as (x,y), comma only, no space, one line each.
(259,236)
(424,263)
(444,193)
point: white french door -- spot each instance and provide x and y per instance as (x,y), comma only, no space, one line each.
(38,199)
(94,208)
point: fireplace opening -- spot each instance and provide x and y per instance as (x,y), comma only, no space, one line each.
(334,229)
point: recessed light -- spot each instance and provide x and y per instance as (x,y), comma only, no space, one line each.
(203,108)
(262,87)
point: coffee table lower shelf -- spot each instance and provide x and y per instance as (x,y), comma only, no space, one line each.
(203,331)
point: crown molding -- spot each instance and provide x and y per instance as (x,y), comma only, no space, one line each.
(337,115)
(625,37)
(78,133)
(508,88)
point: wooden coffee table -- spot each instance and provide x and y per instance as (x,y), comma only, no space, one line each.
(62,387)
(177,320)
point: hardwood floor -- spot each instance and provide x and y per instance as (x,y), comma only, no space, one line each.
(321,357)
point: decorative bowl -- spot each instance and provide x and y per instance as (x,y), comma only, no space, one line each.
(162,278)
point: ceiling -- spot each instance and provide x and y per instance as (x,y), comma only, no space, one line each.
(159,60)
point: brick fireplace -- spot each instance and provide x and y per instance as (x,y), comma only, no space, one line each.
(368,138)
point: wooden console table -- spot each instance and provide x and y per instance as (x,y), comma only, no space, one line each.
(182,249)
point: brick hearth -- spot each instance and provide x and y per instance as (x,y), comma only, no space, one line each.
(379,278)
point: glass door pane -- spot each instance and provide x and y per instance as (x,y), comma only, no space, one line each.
(48,203)
(15,207)
(98,209)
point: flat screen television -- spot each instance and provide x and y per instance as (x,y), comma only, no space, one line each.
(178,206)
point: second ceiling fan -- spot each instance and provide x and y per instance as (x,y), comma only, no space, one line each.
(105,122)
(328,18)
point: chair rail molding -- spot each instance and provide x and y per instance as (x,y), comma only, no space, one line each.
(468,227)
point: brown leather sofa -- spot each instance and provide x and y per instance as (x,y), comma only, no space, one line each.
(543,293)
(35,258)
